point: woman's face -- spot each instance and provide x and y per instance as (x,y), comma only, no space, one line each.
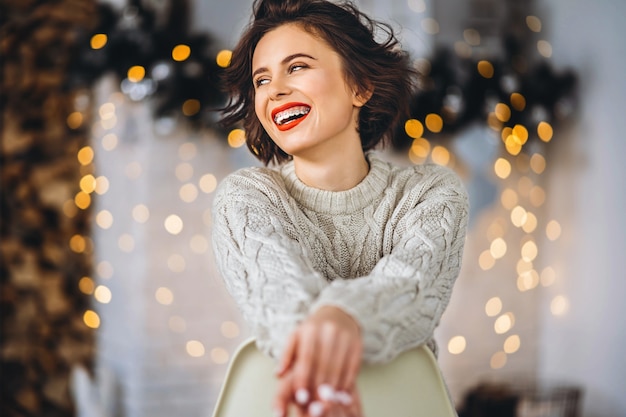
(302,98)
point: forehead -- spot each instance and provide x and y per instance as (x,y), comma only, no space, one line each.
(288,39)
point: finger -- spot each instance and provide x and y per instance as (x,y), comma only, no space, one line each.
(304,364)
(288,354)
(324,354)
(282,397)
(352,367)
(338,362)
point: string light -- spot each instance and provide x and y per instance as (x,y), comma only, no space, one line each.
(223,58)
(98,41)
(181,53)
(195,348)
(457,345)
(219,355)
(485,69)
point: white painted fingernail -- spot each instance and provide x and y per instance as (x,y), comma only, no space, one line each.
(326,392)
(343,397)
(316,409)
(302,396)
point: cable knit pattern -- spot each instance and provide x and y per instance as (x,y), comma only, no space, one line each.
(386,251)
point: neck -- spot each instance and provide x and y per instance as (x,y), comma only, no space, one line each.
(337,172)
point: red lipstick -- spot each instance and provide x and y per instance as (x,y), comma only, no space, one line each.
(289,124)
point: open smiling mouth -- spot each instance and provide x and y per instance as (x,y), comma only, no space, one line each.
(290,115)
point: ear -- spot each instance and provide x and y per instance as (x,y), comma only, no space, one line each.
(361,97)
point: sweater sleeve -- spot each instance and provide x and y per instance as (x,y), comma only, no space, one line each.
(262,263)
(401,301)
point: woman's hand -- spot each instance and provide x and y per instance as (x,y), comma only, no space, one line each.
(325,403)
(323,356)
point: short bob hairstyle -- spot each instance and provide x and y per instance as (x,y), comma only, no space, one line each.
(379,68)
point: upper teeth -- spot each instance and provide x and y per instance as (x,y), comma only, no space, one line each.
(280,117)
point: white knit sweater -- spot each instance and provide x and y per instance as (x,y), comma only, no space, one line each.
(386,251)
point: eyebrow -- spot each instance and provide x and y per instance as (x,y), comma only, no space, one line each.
(284,61)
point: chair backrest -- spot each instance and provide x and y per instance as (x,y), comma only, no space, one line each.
(409,386)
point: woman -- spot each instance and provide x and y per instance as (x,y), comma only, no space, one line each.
(334,256)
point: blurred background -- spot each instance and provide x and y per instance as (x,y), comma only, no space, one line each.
(110,302)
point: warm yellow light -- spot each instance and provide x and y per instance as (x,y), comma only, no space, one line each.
(199,244)
(176,263)
(430,26)
(109,141)
(184,171)
(485,68)
(548,276)
(523,266)
(503,112)
(414,128)
(471,36)
(85,155)
(512,344)
(518,101)
(181,52)
(498,360)
(164,296)
(537,196)
(502,167)
(440,155)
(528,280)
(136,73)
(486,261)
(544,48)
(102,294)
(457,345)
(102,185)
(419,150)
(229,329)
(537,163)
(236,138)
(513,145)
(69,209)
(498,248)
(533,23)
(78,244)
(187,151)
(509,198)
(504,323)
(75,120)
(544,131)
(107,111)
(188,193)
(530,224)
(88,184)
(493,306)
(98,41)
(518,216)
(506,132)
(529,251)
(191,107)
(496,229)
(141,214)
(434,122)
(104,270)
(91,319)
(104,219)
(208,183)
(86,285)
(559,305)
(195,348)
(82,200)
(553,230)
(224,57)
(219,356)
(126,243)
(173,224)
(521,133)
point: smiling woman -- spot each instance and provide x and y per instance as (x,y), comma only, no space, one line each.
(334,256)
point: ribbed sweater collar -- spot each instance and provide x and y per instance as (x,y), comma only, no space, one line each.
(339,202)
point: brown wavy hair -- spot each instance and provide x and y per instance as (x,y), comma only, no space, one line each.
(381,68)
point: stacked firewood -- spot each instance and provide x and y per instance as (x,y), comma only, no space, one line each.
(45,248)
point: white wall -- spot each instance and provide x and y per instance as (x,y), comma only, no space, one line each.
(586,345)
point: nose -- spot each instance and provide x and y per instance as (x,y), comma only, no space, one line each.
(279,87)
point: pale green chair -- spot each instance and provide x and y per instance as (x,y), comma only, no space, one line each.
(409,386)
